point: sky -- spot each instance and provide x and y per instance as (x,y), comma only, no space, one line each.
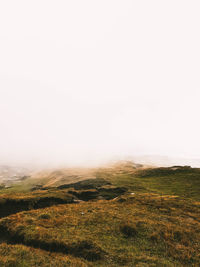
(91,80)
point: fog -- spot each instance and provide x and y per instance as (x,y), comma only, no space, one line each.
(89,81)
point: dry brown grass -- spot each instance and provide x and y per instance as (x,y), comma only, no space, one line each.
(145,228)
(20,255)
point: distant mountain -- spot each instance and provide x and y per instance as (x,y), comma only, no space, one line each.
(60,176)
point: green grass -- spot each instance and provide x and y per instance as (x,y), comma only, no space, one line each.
(185,184)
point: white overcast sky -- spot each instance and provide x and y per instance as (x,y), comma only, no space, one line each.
(95,79)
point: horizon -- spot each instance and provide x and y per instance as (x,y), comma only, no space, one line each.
(146,160)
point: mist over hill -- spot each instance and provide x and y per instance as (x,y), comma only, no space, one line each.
(16,173)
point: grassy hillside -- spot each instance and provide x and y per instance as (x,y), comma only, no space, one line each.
(121,216)
(180,181)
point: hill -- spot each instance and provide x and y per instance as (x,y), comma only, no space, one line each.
(119,215)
